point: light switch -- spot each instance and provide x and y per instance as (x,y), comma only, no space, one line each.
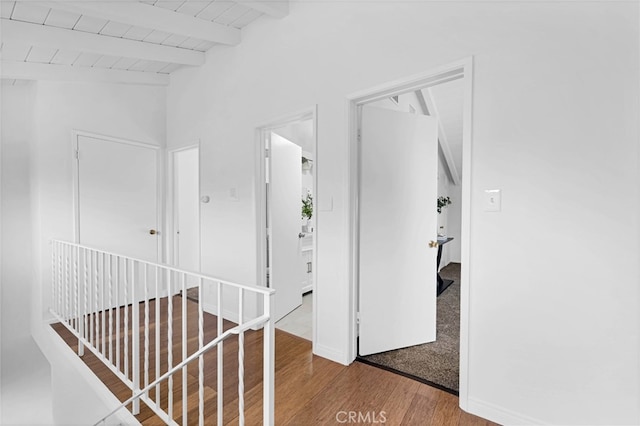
(492,200)
(233,194)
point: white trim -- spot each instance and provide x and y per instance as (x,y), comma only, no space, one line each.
(171,217)
(499,414)
(159,184)
(453,71)
(261,197)
(58,72)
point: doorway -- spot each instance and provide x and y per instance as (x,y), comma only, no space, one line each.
(287,227)
(184,212)
(367,180)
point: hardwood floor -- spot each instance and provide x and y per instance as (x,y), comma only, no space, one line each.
(309,390)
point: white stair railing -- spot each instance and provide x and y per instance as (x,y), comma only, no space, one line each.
(101,296)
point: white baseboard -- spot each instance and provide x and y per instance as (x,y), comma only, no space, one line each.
(330,354)
(499,414)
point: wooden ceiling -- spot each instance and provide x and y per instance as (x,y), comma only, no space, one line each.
(126,41)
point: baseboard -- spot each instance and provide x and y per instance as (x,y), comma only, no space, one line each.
(499,414)
(330,354)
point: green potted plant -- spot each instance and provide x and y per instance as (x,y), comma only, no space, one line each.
(307,210)
(443,202)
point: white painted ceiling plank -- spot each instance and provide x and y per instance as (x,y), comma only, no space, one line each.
(6,8)
(137,33)
(214,10)
(192,8)
(44,36)
(124,63)
(190,43)
(41,54)
(275,9)
(32,71)
(157,37)
(139,66)
(204,46)
(86,60)
(90,24)
(62,19)
(246,19)
(157,18)
(174,40)
(115,29)
(172,5)
(15,51)
(65,57)
(232,14)
(30,12)
(169,68)
(154,66)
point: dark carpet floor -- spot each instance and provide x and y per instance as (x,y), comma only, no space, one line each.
(437,362)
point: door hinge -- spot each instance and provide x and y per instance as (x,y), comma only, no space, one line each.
(359,136)
(266,153)
(358,318)
(77,154)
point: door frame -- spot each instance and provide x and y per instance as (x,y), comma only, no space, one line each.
(461,69)
(171,216)
(75,134)
(261,200)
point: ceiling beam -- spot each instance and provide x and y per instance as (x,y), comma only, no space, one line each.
(152,17)
(275,9)
(34,71)
(47,36)
(429,108)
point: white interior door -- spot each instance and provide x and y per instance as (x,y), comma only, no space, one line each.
(398,192)
(117,197)
(186,201)
(285,204)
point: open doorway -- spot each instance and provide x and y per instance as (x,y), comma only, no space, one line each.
(287,221)
(402,277)
(184,208)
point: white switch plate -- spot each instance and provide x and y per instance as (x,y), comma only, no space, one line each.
(233,194)
(492,200)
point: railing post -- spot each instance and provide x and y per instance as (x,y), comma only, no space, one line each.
(135,339)
(268,405)
(80,312)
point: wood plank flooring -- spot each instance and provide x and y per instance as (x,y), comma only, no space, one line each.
(309,390)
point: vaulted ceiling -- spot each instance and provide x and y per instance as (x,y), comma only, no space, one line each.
(125,41)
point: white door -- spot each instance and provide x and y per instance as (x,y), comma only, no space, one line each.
(398,193)
(285,205)
(186,201)
(117,197)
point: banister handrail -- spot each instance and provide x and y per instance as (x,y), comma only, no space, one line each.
(96,293)
(235,330)
(262,290)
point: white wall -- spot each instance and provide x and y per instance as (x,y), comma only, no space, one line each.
(553,337)
(39,200)
(125,111)
(26,388)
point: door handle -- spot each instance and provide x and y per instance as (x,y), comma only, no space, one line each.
(433,244)
(153,232)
